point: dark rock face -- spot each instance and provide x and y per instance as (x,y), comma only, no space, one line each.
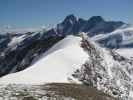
(19,57)
(4,40)
(68,25)
(95,25)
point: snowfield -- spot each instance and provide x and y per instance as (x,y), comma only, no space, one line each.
(126,32)
(122,37)
(65,57)
(126,52)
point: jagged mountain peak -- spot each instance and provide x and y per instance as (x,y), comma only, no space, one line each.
(95,25)
(70,20)
(96,19)
(71,16)
(93,18)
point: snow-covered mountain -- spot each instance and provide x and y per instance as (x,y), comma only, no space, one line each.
(80,60)
(65,57)
(60,54)
(106,70)
(120,38)
(25,48)
(93,26)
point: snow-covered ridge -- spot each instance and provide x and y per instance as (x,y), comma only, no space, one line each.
(117,31)
(65,57)
(122,37)
(76,59)
(67,42)
(106,70)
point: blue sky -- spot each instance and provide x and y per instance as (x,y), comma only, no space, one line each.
(34,13)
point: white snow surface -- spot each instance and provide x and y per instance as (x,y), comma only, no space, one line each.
(60,45)
(64,58)
(126,34)
(126,52)
(16,40)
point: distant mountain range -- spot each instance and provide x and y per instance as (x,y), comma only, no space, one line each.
(93,26)
(120,38)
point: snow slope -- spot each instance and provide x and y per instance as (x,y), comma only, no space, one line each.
(126,31)
(65,57)
(60,45)
(126,52)
(106,70)
(122,37)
